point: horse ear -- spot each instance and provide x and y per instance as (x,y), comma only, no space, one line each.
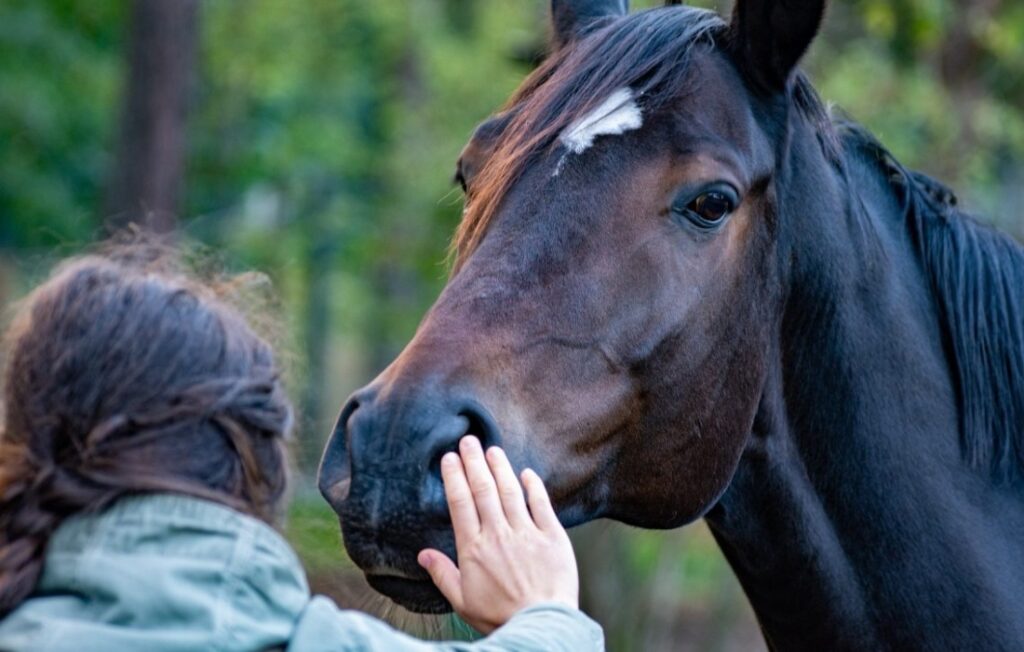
(573,18)
(769,37)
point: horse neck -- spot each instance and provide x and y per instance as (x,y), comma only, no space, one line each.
(846,519)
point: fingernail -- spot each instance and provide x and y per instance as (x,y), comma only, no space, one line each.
(449,459)
(425,559)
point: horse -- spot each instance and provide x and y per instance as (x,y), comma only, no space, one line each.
(682,289)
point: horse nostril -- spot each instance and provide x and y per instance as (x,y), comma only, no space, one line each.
(481,425)
(335,477)
(471,420)
(445,437)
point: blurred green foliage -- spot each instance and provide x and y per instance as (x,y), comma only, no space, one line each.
(941,83)
(60,71)
(322,140)
(313,528)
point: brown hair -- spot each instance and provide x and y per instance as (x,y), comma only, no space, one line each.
(124,377)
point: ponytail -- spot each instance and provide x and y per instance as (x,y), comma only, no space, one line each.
(33,504)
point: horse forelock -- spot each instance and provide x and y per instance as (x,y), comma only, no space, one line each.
(645,55)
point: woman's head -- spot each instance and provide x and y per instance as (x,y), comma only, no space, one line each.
(123,378)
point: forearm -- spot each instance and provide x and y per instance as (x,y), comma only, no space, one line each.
(545,627)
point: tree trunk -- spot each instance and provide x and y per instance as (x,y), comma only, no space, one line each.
(146,185)
(322,244)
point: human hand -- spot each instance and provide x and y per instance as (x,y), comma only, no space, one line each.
(509,557)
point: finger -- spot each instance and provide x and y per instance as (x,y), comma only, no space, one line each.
(540,504)
(510,492)
(481,483)
(461,505)
(444,574)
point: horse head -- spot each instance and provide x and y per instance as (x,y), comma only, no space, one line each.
(615,287)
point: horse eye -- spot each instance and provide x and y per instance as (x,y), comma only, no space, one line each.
(712,206)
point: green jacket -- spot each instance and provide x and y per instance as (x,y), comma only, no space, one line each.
(167,573)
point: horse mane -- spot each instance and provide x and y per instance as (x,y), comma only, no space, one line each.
(976,275)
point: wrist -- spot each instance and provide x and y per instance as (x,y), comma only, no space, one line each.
(566,601)
(552,607)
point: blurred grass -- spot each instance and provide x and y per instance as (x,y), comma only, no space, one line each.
(312,529)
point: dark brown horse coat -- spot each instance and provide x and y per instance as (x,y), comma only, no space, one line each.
(681,291)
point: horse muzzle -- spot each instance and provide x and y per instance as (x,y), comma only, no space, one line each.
(381,474)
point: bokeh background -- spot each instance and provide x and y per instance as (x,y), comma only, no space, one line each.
(315,141)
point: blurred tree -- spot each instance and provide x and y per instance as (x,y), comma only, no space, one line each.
(940,82)
(59,79)
(146,183)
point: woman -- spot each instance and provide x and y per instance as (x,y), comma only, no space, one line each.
(142,460)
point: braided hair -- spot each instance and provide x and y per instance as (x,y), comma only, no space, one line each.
(123,379)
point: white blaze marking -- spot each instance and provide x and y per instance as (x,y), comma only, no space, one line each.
(616,115)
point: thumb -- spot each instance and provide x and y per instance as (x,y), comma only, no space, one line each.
(444,573)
